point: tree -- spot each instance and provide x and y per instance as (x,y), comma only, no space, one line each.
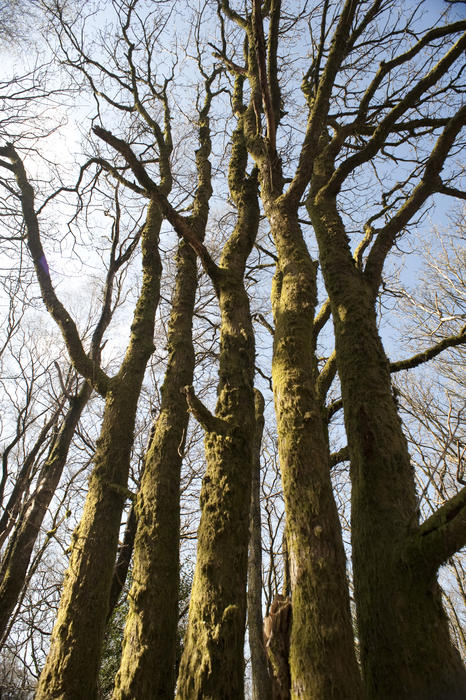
(261,682)
(149,647)
(384,519)
(30,512)
(107,492)
(431,397)
(321,613)
(379,88)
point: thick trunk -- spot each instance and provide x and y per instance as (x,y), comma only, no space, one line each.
(18,553)
(261,685)
(405,646)
(322,657)
(149,647)
(72,664)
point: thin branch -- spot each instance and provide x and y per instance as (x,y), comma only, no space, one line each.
(82,362)
(430,353)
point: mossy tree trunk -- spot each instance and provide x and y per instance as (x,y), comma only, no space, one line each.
(18,552)
(261,683)
(212,664)
(150,639)
(406,651)
(322,657)
(149,647)
(72,664)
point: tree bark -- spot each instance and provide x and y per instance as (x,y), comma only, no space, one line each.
(72,665)
(147,667)
(322,657)
(261,685)
(406,651)
(212,662)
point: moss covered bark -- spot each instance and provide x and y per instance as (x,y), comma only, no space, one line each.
(72,664)
(322,658)
(149,647)
(406,650)
(261,685)
(212,661)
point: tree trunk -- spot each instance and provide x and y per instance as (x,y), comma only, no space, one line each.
(72,665)
(122,563)
(212,665)
(261,685)
(277,626)
(149,647)
(17,556)
(322,657)
(406,651)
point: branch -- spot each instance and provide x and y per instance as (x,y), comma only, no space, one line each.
(272,62)
(319,101)
(259,46)
(340,456)
(326,376)
(443,534)
(411,362)
(260,318)
(83,364)
(130,157)
(451,191)
(334,407)
(201,413)
(233,15)
(430,353)
(231,65)
(430,182)
(180,224)
(321,319)
(332,188)
(264,376)
(387,66)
